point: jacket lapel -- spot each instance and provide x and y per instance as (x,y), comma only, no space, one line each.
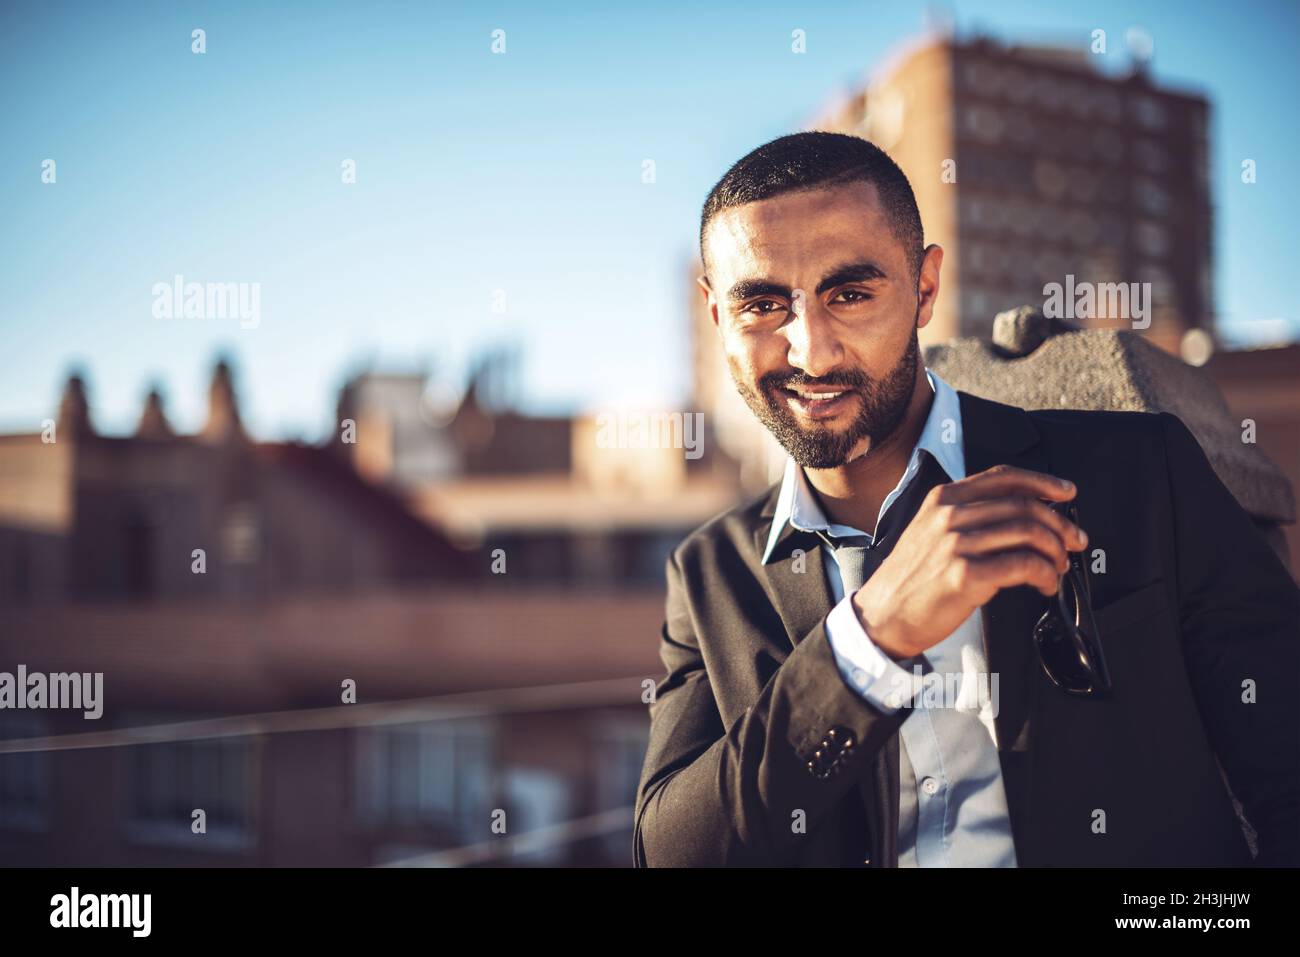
(796,573)
(802,596)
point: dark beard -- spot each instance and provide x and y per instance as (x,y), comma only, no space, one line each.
(882,407)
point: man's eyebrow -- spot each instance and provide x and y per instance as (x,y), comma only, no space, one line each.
(864,271)
(749,288)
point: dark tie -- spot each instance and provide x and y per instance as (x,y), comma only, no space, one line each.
(858,562)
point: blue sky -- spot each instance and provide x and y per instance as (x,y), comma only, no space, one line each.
(478,172)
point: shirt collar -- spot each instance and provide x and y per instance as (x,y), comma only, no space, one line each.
(941,436)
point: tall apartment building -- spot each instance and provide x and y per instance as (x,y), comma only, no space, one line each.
(1030,165)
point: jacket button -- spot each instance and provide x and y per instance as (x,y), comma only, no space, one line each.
(840,737)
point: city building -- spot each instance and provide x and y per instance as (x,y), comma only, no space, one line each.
(1030,165)
(324,657)
(590,501)
(157,516)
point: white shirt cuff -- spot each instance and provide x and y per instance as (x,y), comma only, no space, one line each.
(864,665)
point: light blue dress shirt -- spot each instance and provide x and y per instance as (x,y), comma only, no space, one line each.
(953,807)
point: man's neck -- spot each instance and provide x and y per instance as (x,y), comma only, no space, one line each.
(852,494)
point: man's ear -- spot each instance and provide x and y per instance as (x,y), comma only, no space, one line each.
(706,290)
(927,283)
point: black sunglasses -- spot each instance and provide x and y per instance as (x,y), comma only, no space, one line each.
(1066,635)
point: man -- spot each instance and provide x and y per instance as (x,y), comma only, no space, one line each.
(911,547)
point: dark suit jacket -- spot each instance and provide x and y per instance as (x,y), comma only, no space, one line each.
(1193,606)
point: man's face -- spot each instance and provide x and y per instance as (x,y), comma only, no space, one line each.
(818,311)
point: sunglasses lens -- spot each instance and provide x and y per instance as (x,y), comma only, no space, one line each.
(1060,656)
(1066,635)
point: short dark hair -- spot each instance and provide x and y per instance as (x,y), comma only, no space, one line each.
(804,161)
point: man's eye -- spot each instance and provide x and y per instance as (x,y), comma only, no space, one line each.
(764,307)
(853,296)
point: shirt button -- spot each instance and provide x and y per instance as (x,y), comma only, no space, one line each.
(930,786)
(859,677)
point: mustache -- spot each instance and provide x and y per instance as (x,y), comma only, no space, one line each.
(846,379)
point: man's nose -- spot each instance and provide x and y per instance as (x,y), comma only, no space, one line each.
(814,348)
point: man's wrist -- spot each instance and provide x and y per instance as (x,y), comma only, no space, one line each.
(864,665)
(875,632)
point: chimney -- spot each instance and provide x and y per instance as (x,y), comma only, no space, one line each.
(74,410)
(223,412)
(153,420)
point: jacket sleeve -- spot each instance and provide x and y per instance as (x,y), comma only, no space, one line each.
(712,794)
(1240,615)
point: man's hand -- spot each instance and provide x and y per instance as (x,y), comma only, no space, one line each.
(967,541)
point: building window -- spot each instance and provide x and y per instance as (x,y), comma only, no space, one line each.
(1050,94)
(1022,130)
(170,780)
(435,775)
(1045,220)
(538,802)
(1081,227)
(974,302)
(1050,178)
(139,561)
(1150,156)
(1019,217)
(241,541)
(652,556)
(1152,240)
(1083,185)
(1109,146)
(24,776)
(1152,199)
(1008,261)
(986,123)
(241,535)
(618,752)
(983,78)
(1148,112)
(1017,85)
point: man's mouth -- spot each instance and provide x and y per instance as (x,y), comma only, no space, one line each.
(817,402)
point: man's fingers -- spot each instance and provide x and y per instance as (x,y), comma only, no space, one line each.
(1004,480)
(991,511)
(1015,533)
(1020,567)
